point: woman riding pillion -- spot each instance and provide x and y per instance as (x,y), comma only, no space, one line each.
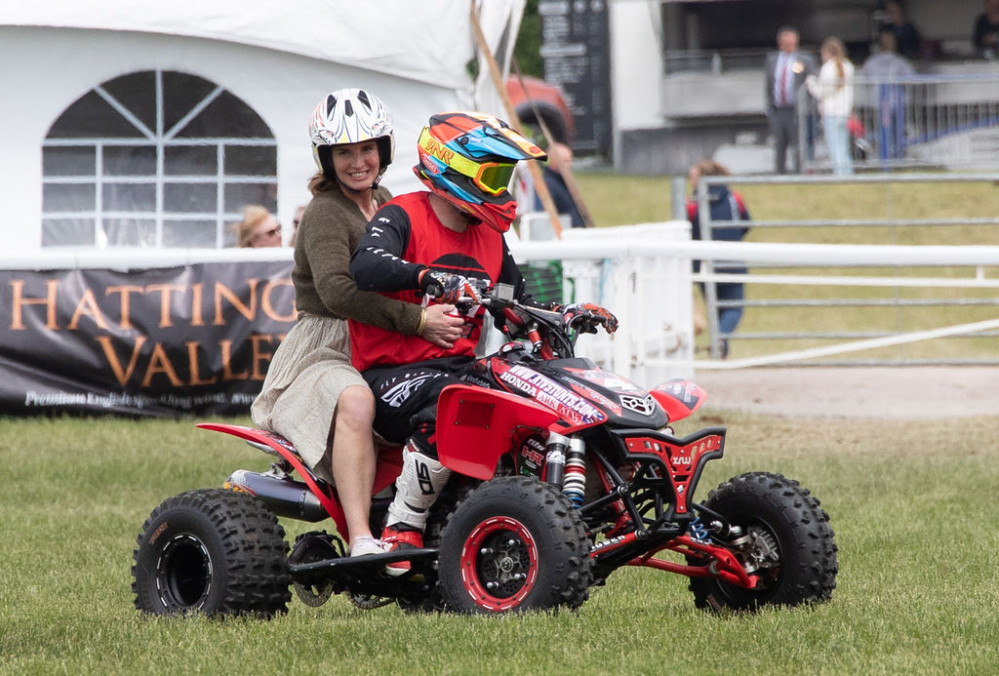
(312,395)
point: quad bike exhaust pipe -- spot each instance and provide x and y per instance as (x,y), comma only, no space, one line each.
(282,494)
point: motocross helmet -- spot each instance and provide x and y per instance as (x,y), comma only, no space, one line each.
(468,159)
(350,116)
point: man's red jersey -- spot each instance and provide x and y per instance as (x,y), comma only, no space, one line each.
(404,237)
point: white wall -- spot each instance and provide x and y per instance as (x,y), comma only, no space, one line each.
(636,70)
(55,66)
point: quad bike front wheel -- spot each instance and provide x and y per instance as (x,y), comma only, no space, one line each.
(786,540)
(514,544)
(214,552)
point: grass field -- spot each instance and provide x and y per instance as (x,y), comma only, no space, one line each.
(911,503)
(622,200)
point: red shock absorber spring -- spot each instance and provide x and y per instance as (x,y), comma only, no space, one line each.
(574,483)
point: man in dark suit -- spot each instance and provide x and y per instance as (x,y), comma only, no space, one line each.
(786,70)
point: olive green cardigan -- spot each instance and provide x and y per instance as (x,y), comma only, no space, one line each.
(327,235)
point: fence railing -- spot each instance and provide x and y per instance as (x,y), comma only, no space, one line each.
(655,341)
(643,273)
(926,121)
(883,302)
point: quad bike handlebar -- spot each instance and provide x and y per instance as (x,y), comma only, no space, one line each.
(553,331)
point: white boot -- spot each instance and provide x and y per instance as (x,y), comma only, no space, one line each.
(417,488)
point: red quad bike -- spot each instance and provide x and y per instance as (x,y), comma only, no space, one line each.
(561,474)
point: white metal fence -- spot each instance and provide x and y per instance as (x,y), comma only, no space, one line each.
(643,276)
(643,273)
(927,121)
(968,272)
(655,341)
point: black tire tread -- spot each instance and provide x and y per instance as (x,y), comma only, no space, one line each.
(255,569)
(811,576)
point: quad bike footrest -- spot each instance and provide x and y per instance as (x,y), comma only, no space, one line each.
(348,563)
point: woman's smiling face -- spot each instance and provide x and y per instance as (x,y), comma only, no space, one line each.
(356,164)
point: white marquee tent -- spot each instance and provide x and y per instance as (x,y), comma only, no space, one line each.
(278,58)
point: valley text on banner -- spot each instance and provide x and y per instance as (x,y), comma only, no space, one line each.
(189,339)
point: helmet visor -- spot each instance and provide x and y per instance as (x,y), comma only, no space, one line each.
(492,178)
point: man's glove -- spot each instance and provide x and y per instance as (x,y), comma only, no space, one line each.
(587,316)
(448,288)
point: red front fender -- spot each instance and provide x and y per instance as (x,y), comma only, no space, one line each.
(476,426)
(679,397)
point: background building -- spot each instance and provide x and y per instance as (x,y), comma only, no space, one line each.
(142,123)
(686,76)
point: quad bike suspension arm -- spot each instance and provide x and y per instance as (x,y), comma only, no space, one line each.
(721,563)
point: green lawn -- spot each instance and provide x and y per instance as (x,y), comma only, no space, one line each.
(911,504)
(615,199)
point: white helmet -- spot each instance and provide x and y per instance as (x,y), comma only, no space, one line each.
(350,116)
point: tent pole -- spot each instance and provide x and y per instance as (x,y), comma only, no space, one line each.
(532,165)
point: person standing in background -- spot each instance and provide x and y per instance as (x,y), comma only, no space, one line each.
(986,33)
(559,160)
(906,35)
(883,70)
(833,88)
(724,205)
(887,63)
(786,70)
(258,228)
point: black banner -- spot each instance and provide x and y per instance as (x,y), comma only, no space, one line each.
(576,52)
(193,339)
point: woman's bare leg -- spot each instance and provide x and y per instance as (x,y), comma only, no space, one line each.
(354,457)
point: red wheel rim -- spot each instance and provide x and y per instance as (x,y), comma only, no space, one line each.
(499,563)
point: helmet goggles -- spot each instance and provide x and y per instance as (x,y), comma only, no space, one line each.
(492,177)
(468,158)
(456,149)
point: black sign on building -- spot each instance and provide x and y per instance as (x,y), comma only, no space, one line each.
(575,46)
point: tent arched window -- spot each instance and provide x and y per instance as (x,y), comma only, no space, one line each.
(155,158)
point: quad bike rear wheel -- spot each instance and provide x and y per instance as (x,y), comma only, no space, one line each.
(214,552)
(514,544)
(786,541)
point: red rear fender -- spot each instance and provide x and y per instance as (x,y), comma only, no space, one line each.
(266,441)
(284,448)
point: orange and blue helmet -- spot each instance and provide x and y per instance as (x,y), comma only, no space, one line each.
(468,159)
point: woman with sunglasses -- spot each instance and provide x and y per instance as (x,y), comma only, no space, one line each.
(312,395)
(428,245)
(258,228)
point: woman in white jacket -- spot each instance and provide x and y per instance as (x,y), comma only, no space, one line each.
(833,88)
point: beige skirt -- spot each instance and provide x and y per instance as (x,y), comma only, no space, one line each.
(309,370)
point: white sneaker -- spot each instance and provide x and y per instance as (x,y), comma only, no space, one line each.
(365,545)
